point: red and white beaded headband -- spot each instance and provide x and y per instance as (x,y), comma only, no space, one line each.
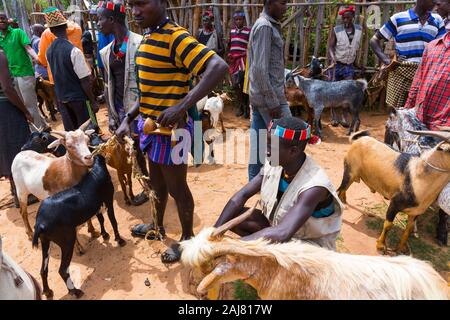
(118,8)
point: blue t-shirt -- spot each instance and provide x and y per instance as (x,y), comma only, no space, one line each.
(38,69)
(103,41)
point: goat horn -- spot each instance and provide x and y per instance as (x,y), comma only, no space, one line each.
(60,133)
(84,126)
(233,222)
(438,134)
(36,128)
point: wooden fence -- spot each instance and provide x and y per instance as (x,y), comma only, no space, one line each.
(307,26)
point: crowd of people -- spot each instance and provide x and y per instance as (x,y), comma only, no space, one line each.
(151,77)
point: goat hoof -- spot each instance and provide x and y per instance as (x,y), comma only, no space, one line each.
(382,247)
(121,242)
(105,236)
(402,250)
(48,294)
(76,292)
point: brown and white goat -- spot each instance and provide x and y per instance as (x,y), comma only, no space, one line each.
(297,270)
(43,175)
(411,183)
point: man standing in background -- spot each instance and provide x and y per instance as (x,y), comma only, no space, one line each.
(237,55)
(265,78)
(17,48)
(411,30)
(72,79)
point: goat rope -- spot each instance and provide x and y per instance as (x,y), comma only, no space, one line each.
(152,234)
(105,149)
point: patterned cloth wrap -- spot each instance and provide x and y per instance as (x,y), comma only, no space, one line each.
(399,83)
(159,147)
(343,72)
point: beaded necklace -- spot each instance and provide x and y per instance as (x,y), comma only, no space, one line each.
(123,48)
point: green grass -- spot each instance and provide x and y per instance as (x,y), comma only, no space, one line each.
(422,248)
(243,291)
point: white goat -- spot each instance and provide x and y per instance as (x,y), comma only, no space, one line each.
(43,175)
(297,270)
(211,110)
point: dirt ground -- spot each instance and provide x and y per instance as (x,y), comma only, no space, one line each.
(107,271)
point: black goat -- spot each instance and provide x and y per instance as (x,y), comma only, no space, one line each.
(39,142)
(60,214)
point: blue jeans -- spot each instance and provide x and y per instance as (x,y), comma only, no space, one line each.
(260,121)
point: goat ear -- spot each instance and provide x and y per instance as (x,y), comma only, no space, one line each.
(55,144)
(89,132)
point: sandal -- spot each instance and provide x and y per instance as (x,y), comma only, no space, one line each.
(172,254)
(140,199)
(141,231)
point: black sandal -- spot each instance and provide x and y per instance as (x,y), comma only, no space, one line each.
(172,254)
(141,231)
(140,199)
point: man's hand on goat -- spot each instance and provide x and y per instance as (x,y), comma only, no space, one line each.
(123,130)
(29,117)
(171,116)
(95,106)
(386,60)
(112,126)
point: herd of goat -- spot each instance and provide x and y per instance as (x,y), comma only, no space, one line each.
(69,174)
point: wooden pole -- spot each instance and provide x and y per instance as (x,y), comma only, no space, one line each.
(247,15)
(319,24)
(225,19)
(300,22)
(196,19)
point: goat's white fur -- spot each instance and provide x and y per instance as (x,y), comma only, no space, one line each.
(333,275)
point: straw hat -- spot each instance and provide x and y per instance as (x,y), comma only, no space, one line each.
(54,17)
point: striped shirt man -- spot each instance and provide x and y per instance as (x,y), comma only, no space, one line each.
(237,55)
(166,61)
(410,35)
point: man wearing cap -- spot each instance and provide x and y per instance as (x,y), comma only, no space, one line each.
(344,42)
(208,34)
(74,34)
(265,78)
(411,30)
(297,197)
(71,73)
(18,50)
(121,88)
(237,55)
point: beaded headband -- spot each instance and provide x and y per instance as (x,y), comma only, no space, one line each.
(239,14)
(347,9)
(289,134)
(118,8)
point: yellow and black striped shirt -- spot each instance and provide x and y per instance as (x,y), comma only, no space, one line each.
(166,60)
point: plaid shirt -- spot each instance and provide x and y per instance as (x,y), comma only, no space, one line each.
(430,91)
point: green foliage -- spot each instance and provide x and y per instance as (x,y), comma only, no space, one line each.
(421,248)
(243,291)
